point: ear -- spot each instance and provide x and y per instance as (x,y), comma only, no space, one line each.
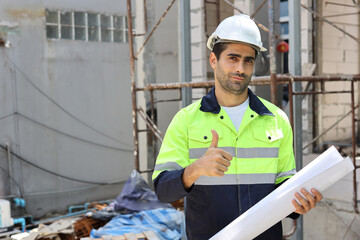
(212,60)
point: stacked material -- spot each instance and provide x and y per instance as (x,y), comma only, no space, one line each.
(167,224)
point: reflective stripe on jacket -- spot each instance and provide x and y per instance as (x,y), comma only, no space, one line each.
(262,158)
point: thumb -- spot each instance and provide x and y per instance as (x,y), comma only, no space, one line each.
(215,139)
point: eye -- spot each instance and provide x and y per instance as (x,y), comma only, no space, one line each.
(249,60)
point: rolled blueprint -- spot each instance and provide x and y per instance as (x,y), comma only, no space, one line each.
(321,173)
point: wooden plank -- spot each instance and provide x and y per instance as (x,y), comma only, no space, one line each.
(140,236)
(150,235)
(118,238)
(130,236)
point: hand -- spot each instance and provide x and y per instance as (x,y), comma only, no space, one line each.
(308,203)
(215,161)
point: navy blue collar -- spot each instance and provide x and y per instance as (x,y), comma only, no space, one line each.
(210,104)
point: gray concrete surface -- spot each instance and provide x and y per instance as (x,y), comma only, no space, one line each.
(54,93)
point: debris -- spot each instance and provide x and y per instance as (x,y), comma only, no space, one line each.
(83,227)
(165,223)
(137,196)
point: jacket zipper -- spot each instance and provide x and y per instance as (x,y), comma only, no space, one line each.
(238,184)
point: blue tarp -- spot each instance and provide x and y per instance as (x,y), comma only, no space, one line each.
(167,224)
(137,196)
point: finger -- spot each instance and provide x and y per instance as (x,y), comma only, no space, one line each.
(220,159)
(215,139)
(221,167)
(318,195)
(310,198)
(227,155)
(298,208)
(305,204)
(219,173)
(225,162)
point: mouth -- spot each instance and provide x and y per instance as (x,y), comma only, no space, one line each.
(237,78)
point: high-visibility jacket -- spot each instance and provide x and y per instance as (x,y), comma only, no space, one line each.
(262,153)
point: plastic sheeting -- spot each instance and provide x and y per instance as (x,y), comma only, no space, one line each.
(321,173)
(137,196)
(167,224)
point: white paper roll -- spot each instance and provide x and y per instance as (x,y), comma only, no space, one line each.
(321,173)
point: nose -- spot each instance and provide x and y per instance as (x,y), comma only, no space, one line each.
(240,68)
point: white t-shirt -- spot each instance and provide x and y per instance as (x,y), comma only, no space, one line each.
(236,113)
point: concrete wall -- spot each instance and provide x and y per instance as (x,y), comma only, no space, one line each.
(307,61)
(338,54)
(198,46)
(68,108)
(166,44)
(158,63)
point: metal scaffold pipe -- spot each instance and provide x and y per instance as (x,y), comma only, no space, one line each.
(185,50)
(133,84)
(295,69)
(354,146)
(272,51)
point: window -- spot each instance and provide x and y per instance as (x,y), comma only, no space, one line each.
(284,19)
(284,9)
(80,26)
(106,28)
(120,29)
(284,26)
(93,24)
(52,25)
(86,26)
(66,25)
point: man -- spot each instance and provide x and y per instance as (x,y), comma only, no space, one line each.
(230,149)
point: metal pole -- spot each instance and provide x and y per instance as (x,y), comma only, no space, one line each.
(185,50)
(133,85)
(295,69)
(9,189)
(272,41)
(354,146)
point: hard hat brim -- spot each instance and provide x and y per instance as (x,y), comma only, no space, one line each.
(211,43)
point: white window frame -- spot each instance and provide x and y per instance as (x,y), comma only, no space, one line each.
(123,28)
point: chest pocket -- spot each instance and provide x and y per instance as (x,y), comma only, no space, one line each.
(200,140)
(267,140)
(268,135)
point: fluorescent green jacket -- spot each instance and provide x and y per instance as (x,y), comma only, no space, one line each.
(262,152)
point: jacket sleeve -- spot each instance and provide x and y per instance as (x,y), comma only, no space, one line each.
(286,164)
(172,160)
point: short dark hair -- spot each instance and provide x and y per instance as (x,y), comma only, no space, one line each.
(219,48)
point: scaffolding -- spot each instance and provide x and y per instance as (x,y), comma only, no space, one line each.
(272,80)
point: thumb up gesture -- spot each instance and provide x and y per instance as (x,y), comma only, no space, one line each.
(215,161)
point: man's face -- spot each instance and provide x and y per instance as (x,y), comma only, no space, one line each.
(234,67)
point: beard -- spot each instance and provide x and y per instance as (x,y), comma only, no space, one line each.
(226,83)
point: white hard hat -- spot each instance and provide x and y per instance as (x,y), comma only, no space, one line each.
(237,28)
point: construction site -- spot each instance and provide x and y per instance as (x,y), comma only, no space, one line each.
(89,88)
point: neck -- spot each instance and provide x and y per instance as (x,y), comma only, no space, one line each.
(227,99)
